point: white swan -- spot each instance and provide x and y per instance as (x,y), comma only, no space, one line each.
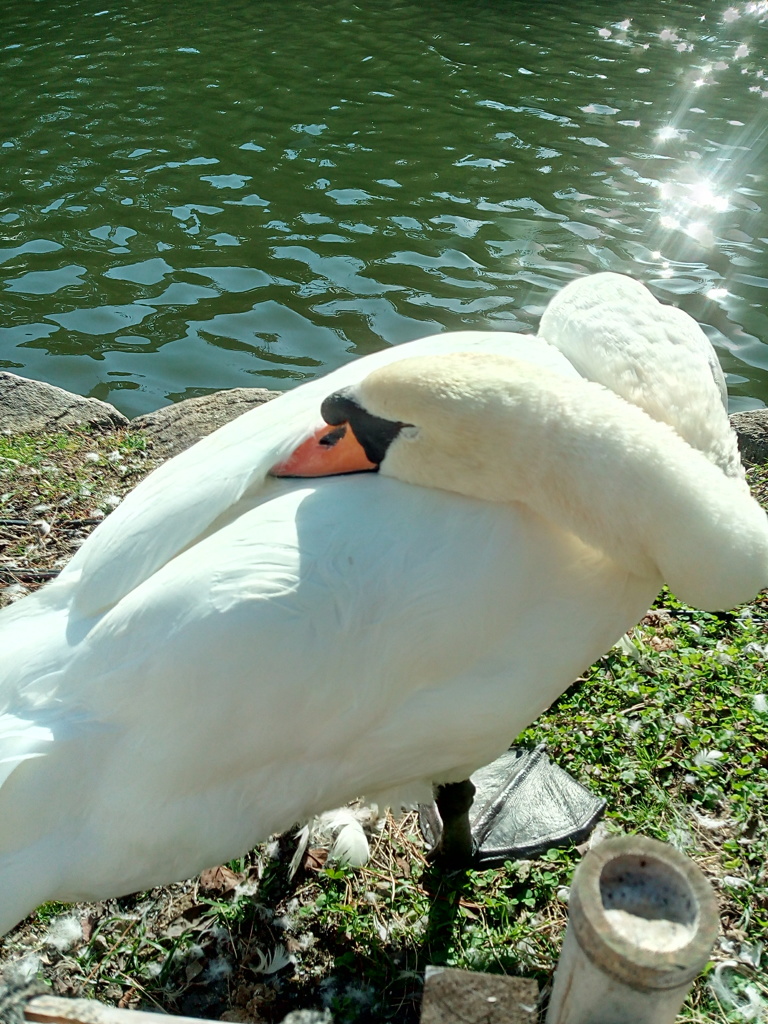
(230,653)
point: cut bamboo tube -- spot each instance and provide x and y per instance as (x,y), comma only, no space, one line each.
(642,921)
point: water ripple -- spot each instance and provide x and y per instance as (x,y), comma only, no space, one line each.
(213,201)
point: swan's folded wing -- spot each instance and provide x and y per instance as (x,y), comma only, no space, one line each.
(615,332)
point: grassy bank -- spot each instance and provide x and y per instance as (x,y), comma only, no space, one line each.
(54,490)
(672,731)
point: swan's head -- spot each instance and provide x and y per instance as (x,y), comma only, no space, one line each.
(424,420)
(580,457)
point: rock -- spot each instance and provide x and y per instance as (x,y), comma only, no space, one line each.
(752,429)
(176,427)
(15,995)
(32,407)
(308,1017)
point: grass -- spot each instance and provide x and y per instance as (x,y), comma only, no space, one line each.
(53,490)
(671,730)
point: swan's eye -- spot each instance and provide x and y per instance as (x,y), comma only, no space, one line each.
(409,431)
(333,436)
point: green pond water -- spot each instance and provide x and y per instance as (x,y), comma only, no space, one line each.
(209,194)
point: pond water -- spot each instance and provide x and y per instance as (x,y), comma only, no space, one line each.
(206,195)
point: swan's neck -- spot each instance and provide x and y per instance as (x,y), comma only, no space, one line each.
(586,460)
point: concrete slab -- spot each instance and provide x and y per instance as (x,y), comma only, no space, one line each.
(464,997)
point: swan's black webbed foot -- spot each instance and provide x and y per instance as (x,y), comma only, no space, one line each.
(517,807)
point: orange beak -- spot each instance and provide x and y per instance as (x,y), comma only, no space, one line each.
(329,452)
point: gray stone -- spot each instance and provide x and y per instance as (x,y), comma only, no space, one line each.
(752,430)
(176,427)
(33,407)
(464,997)
(15,994)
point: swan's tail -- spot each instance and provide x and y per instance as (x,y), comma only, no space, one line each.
(34,646)
(25,882)
(26,866)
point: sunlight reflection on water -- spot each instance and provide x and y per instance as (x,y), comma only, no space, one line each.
(254,199)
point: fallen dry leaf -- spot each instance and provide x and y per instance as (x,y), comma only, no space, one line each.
(220,879)
(314,860)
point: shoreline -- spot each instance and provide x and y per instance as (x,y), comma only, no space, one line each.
(30,406)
